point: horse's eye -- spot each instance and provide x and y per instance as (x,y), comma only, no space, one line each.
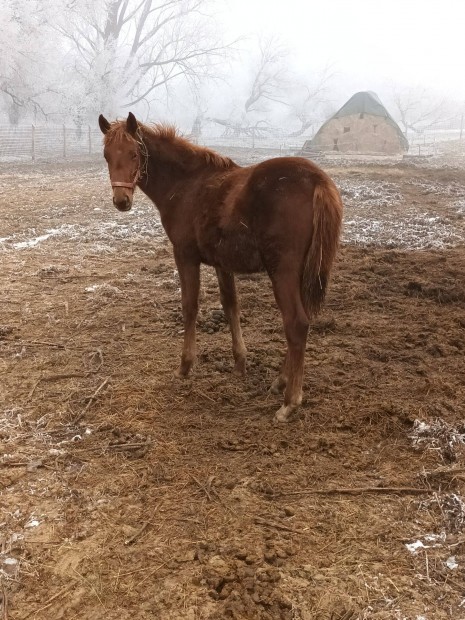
(134,156)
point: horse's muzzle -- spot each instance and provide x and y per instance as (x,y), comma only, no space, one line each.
(123,206)
(122,203)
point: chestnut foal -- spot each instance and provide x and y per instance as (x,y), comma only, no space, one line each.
(282,215)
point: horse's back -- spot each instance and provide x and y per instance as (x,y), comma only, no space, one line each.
(300,174)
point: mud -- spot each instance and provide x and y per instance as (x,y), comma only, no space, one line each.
(126,493)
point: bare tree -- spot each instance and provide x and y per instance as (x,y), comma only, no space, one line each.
(269,83)
(306,101)
(270,76)
(130,49)
(417,109)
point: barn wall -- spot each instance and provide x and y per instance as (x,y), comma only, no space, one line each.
(362,136)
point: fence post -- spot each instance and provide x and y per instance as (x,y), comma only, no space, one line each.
(90,140)
(64,141)
(33,143)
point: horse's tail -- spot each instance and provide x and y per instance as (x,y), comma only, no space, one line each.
(327,219)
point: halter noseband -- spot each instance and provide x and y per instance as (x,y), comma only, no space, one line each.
(121,184)
(128,185)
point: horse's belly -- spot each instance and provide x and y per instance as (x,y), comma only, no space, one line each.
(237,254)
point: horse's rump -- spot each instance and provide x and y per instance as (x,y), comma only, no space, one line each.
(253,218)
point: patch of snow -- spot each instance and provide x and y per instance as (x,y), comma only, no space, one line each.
(436,434)
(438,188)
(9,567)
(459,205)
(30,243)
(415,546)
(435,537)
(437,540)
(373,193)
(451,563)
(103,289)
(412,231)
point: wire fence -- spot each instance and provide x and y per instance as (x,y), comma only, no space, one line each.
(62,142)
(49,142)
(437,138)
(282,143)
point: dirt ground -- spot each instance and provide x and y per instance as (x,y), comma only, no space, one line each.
(128,494)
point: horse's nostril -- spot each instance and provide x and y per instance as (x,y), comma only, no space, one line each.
(122,203)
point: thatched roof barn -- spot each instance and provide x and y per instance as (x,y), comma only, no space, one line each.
(362,125)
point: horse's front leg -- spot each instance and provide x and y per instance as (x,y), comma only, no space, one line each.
(231,309)
(189,276)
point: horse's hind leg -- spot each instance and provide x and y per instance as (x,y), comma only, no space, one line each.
(189,276)
(286,288)
(278,385)
(231,309)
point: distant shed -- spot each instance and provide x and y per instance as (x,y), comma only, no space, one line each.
(362,125)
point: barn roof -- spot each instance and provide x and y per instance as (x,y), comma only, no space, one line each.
(367,102)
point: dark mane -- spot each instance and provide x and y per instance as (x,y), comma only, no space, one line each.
(168,134)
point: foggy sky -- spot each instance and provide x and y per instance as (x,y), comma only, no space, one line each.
(410,52)
(368,43)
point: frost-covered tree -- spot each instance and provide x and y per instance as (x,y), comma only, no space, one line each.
(307,101)
(267,84)
(31,76)
(274,93)
(127,52)
(418,109)
(81,57)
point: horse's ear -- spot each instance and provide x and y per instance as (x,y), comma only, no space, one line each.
(131,124)
(103,123)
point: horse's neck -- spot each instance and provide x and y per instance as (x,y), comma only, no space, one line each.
(166,174)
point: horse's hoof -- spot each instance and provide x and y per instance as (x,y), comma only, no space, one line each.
(239,369)
(284,413)
(180,374)
(239,372)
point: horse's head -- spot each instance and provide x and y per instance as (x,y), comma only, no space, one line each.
(123,157)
